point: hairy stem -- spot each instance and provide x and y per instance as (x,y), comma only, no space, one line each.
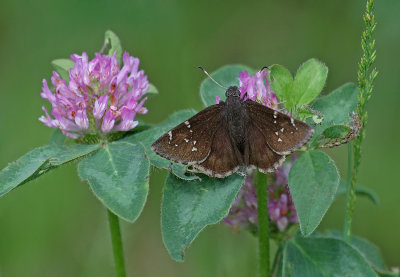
(263,225)
(117,245)
(366,77)
(350,189)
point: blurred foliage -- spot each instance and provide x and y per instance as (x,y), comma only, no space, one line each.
(56,227)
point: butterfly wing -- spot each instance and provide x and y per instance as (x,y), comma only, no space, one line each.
(283,134)
(259,154)
(190,141)
(224,158)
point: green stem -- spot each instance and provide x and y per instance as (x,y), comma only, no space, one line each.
(263,225)
(117,244)
(350,197)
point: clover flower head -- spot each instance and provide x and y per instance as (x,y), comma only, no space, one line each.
(100,97)
(257,88)
(281,210)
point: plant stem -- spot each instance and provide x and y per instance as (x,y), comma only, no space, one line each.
(350,189)
(117,244)
(263,225)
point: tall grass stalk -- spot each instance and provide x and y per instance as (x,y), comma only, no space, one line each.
(366,77)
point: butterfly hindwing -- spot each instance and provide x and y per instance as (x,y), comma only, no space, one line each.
(190,141)
(282,133)
(259,154)
(224,158)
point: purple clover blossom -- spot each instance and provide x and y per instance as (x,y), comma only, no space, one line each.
(100,97)
(257,88)
(282,212)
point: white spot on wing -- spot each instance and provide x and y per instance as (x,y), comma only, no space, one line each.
(186,140)
(176,145)
(283,129)
(170,135)
(187,123)
(276,133)
(194,149)
(274,121)
(194,142)
(279,139)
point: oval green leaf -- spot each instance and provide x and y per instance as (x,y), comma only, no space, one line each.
(368,250)
(62,66)
(111,39)
(227,76)
(323,257)
(23,169)
(282,85)
(152,90)
(337,106)
(313,182)
(119,176)
(57,138)
(189,206)
(309,81)
(38,161)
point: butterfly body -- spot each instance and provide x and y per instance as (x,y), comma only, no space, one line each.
(236,120)
(220,139)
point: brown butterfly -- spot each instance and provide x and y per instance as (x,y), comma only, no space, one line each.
(224,137)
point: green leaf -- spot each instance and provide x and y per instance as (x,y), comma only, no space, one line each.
(227,76)
(282,85)
(368,250)
(62,154)
(22,169)
(57,138)
(309,81)
(337,131)
(320,257)
(360,191)
(148,137)
(119,176)
(336,108)
(62,66)
(152,90)
(115,45)
(189,206)
(313,181)
(38,161)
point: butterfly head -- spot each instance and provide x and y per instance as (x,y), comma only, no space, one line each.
(232,91)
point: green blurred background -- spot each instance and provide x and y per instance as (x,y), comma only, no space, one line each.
(55,226)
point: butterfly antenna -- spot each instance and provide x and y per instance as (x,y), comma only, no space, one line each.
(212,78)
(265,67)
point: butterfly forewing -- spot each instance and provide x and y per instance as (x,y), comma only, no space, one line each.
(190,142)
(260,155)
(282,133)
(224,158)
